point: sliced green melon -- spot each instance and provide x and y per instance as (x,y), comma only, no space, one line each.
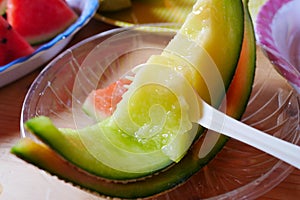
(198,41)
(41,20)
(12,44)
(177,141)
(41,156)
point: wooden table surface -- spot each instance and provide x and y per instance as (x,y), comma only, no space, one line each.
(12,96)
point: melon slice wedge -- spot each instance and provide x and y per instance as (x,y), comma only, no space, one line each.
(41,156)
(199,49)
(41,20)
(195,43)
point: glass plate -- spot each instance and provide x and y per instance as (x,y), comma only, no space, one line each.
(238,171)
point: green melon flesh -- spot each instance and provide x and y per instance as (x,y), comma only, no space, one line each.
(41,20)
(12,45)
(158,109)
(43,157)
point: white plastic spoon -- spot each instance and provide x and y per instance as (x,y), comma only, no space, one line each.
(217,121)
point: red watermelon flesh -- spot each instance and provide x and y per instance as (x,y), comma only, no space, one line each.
(102,102)
(12,45)
(39,20)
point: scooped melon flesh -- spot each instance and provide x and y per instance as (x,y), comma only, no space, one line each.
(159,107)
(209,41)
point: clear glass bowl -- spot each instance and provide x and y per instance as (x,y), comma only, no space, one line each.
(238,171)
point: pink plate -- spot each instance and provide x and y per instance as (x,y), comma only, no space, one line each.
(278,29)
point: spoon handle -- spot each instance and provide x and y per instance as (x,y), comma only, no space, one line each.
(217,121)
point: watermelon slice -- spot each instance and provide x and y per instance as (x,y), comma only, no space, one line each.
(40,20)
(12,45)
(101,103)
